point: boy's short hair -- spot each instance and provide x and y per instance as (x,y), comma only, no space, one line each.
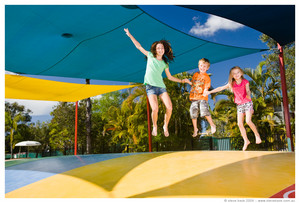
(204,60)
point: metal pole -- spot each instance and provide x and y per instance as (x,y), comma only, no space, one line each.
(285,100)
(76,115)
(149,126)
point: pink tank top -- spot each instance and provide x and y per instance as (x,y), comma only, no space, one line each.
(239,91)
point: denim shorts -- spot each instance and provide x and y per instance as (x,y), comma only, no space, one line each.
(199,107)
(242,108)
(155,90)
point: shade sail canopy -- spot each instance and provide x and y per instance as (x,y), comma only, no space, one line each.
(21,87)
(28,143)
(276,21)
(88,41)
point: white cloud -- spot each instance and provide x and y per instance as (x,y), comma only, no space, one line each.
(195,18)
(38,108)
(212,25)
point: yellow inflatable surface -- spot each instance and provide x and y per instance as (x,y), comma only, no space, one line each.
(189,174)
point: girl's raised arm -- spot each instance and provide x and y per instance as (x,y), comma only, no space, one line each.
(135,42)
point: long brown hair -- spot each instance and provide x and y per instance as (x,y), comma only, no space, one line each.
(231,80)
(168,55)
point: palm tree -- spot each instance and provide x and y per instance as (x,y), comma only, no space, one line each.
(11,126)
(117,123)
(137,123)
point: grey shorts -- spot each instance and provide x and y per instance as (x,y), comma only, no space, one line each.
(242,108)
(199,107)
(155,90)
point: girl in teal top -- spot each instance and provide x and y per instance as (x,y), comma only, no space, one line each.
(158,59)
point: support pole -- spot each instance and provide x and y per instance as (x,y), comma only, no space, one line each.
(88,122)
(76,115)
(285,100)
(149,126)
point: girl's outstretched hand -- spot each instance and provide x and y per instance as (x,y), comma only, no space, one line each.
(187,81)
(127,31)
(206,93)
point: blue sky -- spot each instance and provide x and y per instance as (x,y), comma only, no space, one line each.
(204,26)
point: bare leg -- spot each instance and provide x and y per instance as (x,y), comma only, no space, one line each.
(243,130)
(194,121)
(154,106)
(253,127)
(168,103)
(211,123)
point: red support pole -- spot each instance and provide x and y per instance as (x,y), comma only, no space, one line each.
(285,100)
(76,112)
(149,126)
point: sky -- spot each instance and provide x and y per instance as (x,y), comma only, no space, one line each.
(195,23)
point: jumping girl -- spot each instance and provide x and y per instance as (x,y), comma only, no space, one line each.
(242,97)
(158,59)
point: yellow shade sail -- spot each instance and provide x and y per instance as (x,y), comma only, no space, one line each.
(21,87)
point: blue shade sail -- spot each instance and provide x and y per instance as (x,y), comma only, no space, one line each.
(88,41)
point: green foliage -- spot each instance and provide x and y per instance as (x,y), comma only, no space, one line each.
(16,117)
(272,65)
(106,118)
(62,126)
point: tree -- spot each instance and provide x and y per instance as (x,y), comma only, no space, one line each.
(62,126)
(225,117)
(15,116)
(272,64)
(136,106)
(11,125)
(40,132)
(102,132)
(88,122)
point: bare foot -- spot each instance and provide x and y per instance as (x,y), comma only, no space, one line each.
(154,131)
(246,145)
(166,132)
(213,129)
(257,138)
(195,133)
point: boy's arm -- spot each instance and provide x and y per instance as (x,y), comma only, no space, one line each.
(135,42)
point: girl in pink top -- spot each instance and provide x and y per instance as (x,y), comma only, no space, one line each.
(242,97)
